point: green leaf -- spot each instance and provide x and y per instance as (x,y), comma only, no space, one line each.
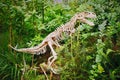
(94,66)
(100,69)
(102,26)
(98,58)
(108,51)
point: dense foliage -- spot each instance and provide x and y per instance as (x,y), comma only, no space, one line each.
(92,53)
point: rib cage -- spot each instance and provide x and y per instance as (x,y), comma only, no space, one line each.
(42,50)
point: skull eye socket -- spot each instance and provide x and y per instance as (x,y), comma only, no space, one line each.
(86,12)
(80,16)
(93,13)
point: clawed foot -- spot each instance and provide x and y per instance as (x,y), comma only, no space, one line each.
(56,71)
(49,61)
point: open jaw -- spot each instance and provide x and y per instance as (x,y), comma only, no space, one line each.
(87,21)
(90,21)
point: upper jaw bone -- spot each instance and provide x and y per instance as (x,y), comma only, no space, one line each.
(91,16)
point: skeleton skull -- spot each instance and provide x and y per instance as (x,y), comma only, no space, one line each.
(82,17)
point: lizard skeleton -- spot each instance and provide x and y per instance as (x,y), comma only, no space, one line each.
(56,36)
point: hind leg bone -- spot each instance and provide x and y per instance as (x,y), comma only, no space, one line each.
(54,54)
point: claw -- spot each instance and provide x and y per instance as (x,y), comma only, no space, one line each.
(50,62)
(55,71)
